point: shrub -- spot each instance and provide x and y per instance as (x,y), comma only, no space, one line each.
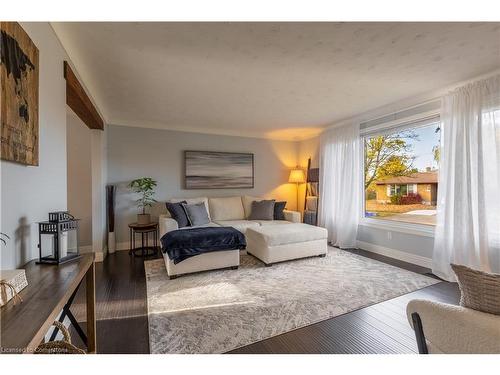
(411,198)
(396,199)
(371,194)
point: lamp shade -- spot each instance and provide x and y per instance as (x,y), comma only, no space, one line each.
(297,175)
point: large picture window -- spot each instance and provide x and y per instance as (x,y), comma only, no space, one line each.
(401,167)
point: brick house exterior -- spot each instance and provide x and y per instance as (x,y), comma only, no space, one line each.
(423,183)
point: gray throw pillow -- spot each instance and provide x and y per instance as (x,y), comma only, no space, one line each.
(197,213)
(262,210)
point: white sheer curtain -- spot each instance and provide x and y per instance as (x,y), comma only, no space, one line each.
(468,213)
(340,184)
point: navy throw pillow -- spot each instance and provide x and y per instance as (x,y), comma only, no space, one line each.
(278,210)
(178,213)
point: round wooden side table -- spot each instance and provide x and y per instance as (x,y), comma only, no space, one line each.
(144,230)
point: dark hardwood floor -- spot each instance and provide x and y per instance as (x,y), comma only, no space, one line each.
(122,325)
(121,307)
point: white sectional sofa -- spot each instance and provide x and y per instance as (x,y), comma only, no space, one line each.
(226,212)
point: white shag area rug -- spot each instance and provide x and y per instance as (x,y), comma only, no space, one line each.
(218,311)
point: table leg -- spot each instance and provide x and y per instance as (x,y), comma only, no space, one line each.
(142,243)
(130,241)
(91,319)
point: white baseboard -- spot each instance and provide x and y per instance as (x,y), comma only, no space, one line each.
(396,254)
(99,256)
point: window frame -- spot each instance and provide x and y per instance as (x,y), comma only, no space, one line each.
(425,230)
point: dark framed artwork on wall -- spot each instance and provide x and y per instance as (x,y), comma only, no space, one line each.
(218,170)
(19,72)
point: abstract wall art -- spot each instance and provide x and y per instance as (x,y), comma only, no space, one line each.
(19,72)
(218,170)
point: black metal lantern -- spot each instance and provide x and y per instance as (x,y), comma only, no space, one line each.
(58,238)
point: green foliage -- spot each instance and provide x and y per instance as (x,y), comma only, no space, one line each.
(388,155)
(144,186)
(371,194)
(396,199)
(410,198)
(436,152)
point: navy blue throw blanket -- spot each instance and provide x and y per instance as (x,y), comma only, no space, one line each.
(185,243)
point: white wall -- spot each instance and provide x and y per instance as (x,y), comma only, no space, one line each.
(140,152)
(29,193)
(79,171)
(98,150)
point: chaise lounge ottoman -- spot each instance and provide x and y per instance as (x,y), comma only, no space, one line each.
(201,249)
(277,243)
(203,262)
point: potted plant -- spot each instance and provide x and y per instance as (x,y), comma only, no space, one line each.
(145,187)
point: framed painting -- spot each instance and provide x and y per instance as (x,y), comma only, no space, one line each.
(218,170)
(19,72)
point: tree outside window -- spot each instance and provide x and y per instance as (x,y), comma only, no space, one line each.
(398,168)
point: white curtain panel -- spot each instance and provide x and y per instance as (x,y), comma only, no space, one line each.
(468,212)
(340,184)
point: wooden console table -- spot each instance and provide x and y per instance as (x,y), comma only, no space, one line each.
(50,290)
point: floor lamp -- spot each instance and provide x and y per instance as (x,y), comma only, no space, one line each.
(297,176)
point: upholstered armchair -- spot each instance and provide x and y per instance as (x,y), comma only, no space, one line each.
(445,328)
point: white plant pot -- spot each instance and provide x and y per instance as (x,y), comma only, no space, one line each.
(111,242)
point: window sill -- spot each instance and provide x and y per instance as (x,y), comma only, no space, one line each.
(393,226)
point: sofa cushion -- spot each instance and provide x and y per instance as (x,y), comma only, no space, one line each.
(197,213)
(178,213)
(192,201)
(270,222)
(278,210)
(226,208)
(207,225)
(274,235)
(241,225)
(247,204)
(262,210)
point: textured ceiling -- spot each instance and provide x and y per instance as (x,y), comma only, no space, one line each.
(278,80)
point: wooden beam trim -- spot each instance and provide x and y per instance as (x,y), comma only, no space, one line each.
(78,100)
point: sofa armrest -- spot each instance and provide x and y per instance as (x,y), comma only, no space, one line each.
(167,224)
(456,329)
(293,216)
